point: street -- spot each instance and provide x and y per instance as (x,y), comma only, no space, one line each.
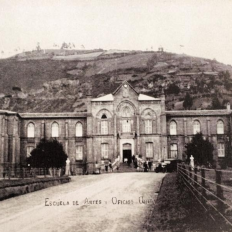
(107,202)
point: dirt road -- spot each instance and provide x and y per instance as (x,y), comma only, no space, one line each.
(107,202)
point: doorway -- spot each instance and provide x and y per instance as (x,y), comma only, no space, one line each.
(127,154)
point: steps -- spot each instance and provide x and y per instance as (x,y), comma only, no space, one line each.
(125,168)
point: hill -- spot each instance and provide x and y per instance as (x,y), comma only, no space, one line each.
(52,81)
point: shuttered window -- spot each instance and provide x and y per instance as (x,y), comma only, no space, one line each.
(221,150)
(149,150)
(173,151)
(148,126)
(104,127)
(79,153)
(105,150)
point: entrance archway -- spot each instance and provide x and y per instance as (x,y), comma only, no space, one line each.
(126,144)
(126,153)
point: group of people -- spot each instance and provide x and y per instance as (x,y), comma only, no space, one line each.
(147,165)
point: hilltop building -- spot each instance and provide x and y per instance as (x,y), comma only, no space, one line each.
(121,124)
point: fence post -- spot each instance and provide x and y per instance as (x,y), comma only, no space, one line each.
(23,172)
(195,176)
(190,173)
(219,190)
(203,183)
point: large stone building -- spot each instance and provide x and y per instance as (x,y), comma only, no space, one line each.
(123,124)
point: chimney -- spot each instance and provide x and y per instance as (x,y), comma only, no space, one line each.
(228,106)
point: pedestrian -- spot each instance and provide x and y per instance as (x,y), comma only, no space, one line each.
(110,166)
(135,163)
(106,165)
(145,167)
(133,158)
(150,165)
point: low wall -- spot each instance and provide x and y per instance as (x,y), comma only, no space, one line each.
(12,188)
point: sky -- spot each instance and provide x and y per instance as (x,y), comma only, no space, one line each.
(201,28)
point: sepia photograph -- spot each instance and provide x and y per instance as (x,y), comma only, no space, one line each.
(115,116)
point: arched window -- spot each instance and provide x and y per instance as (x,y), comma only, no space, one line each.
(220,127)
(173,128)
(31,130)
(104,125)
(55,130)
(196,127)
(148,126)
(79,130)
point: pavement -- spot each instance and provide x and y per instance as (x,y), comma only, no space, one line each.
(106,202)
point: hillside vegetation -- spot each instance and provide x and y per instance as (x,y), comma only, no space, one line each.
(55,82)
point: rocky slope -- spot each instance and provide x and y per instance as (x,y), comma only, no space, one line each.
(57,83)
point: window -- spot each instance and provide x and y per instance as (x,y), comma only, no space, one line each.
(148,126)
(29,150)
(220,127)
(31,130)
(221,150)
(149,150)
(173,128)
(173,151)
(104,127)
(79,130)
(79,153)
(55,130)
(126,126)
(104,150)
(196,127)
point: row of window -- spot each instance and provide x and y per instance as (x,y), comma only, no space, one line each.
(174,150)
(55,130)
(79,151)
(196,127)
(104,130)
(149,150)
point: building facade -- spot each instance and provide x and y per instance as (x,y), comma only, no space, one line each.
(121,124)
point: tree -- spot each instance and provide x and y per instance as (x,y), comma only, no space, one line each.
(216,103)
(173,89)
(48,154)
(188,101)
(201,149)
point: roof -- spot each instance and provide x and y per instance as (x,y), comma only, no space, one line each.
(7,112)
(53,115)
(108,97)
(123,83)
(143,97)
(198,112)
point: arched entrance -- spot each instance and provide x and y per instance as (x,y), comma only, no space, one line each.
(127,153)
(126,148)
